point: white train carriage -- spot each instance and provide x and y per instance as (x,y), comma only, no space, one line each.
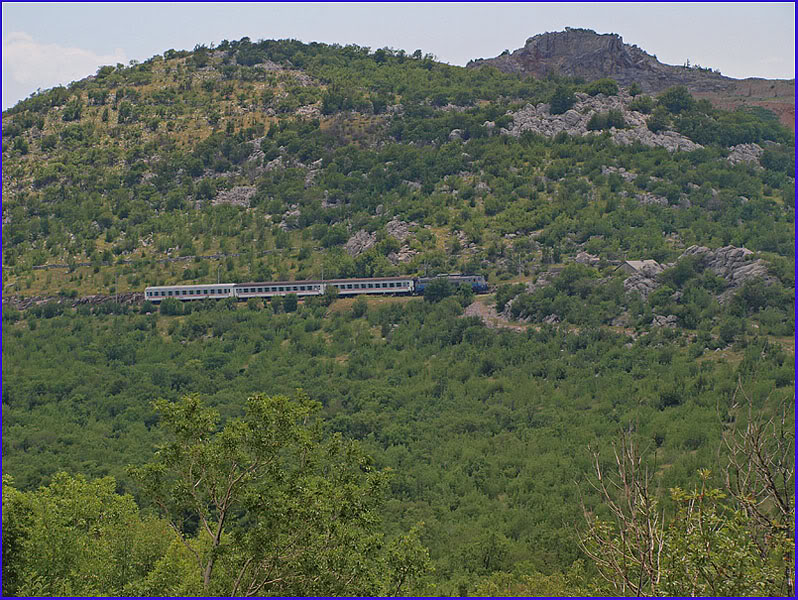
(346,287)
(373,285)
(215,291)
(267,289)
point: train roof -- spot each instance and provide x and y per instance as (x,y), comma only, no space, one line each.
(314,281)
(190,286)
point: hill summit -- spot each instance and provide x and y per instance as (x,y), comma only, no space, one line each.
(589,55)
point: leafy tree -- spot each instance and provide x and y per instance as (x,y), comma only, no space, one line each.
(659,120)
(676,99)
(360,307)
(266,505)
(438,289)
(290,303)
(562,100)
(171,306)
(77,538)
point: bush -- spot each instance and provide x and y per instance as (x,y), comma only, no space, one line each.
(606,86)
(360,307)
(658,120)
(438,289)
(171,307)
(290,303)
(643,104)
(676,99)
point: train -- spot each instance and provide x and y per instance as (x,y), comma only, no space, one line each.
(395,286)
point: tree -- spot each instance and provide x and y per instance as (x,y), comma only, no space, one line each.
(265,505)
(290,303)
(635,89)
(676,99)
(734,543)
(658,120)
(438,289)
(330,295)
(562,100)
(76,538)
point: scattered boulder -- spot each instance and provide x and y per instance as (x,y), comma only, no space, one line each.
(405,254)
(669,321)
(455,134)
(586,258)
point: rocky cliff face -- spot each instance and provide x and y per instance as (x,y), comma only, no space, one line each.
(590,55)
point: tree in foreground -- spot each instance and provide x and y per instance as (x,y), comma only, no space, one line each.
(267,506)
(733,542)
(77,538)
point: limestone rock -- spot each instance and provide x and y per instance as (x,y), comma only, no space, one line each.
(399,229)
(455,134)
(238,196)
(745,153)
(360,242)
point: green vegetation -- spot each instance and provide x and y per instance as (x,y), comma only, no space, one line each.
(259,161)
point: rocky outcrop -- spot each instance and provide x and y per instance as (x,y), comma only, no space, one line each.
(644,280)
(405,254)
(399,229)
(360,242)
(585,258)
(538,119)
(734,264)
(749,153)
(590,55)
(238,196)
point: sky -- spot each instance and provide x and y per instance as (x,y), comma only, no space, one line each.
(48,44)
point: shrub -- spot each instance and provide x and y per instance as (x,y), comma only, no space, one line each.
(606,86)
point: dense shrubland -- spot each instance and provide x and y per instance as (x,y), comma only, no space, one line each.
(481,434)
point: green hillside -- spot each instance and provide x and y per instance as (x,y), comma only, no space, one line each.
(278,160)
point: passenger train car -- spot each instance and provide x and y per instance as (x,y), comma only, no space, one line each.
(346,287)
(477,282)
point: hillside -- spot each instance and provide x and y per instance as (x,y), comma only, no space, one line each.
(589,55)
(639,246)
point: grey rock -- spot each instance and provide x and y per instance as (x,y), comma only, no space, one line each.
(238,196)
(360,242)
(749,153)
(455,134)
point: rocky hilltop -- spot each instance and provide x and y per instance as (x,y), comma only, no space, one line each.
(590,55)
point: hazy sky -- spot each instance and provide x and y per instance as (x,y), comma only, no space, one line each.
(46,44)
